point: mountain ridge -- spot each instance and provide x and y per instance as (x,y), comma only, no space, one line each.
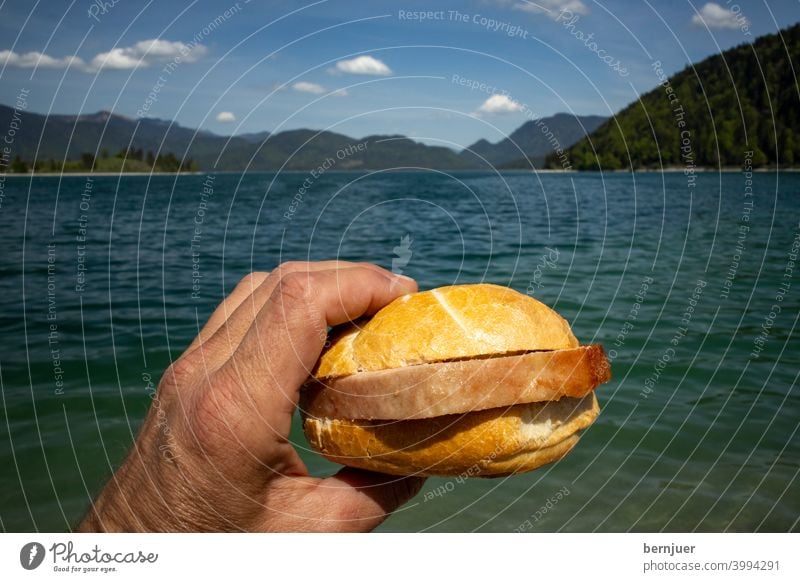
(533,140)
(103,135)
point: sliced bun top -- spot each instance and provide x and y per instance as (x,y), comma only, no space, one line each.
(455,322)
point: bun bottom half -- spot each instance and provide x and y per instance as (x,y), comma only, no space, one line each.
(486,443)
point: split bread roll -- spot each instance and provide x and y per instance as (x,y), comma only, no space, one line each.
(494,442)
(474,380)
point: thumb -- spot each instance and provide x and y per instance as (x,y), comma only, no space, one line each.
(357,500)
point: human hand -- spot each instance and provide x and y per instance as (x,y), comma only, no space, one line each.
(214,454)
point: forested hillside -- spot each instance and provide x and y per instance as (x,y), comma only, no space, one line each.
(744,99)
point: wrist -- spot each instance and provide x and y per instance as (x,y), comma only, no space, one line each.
(146,493)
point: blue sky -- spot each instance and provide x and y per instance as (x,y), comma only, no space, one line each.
(469,70)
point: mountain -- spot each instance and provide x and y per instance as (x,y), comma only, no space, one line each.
(103,134)
(61,137)
(534,139)
(257,137)
(745,99)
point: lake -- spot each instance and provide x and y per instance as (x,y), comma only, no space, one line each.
(691,287)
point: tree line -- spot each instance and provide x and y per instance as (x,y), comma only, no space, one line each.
(130,160)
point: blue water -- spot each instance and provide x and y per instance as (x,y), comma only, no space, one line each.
(697,431)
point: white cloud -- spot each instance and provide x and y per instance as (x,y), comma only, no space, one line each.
(226,117)
(146,52)
(306,87)
(498,104)
(363,65)
(713,15)
(315,89)
(551,8)
(117,59)
(41,60)
(165,49)
(142,54)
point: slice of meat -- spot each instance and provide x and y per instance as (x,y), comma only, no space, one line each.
(428,390)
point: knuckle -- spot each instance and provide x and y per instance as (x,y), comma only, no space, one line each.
(213,417)
(252,279)
(295,288)
(178,374)
(290,267)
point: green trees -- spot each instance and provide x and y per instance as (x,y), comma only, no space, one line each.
(87,161)
(167,163)
(123,161)
(19,166)
(745,99)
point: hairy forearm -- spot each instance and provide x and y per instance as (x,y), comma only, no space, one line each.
(147,493)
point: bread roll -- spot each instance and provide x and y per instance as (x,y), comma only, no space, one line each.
(473,380)
(455,322)
(488,443)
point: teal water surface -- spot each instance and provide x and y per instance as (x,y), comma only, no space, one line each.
(692,290)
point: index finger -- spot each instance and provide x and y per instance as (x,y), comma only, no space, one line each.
(257,286)
(278,352)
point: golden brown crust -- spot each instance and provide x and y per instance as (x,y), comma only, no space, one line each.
(430,390)
(459,321)
(494,442)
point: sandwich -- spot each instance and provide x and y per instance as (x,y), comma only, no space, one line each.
(475,380)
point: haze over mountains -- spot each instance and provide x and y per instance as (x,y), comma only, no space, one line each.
(60,137)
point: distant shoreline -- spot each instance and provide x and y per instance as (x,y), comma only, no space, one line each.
(107,174)
(726,170)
